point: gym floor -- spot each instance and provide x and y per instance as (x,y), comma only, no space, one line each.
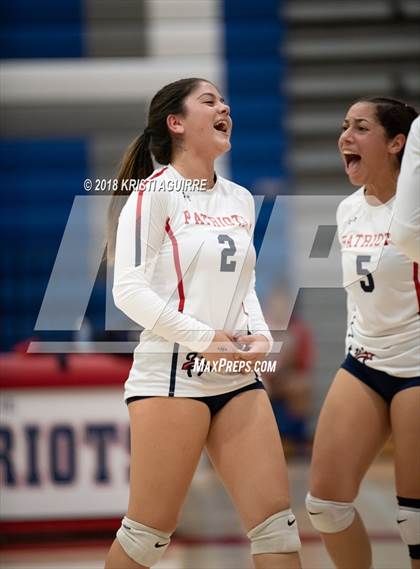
(210,534)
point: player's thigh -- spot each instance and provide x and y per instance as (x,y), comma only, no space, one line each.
(405,421)
(352,427)
(167,437)
(245,448)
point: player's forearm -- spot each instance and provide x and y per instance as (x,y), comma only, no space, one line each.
(134,297)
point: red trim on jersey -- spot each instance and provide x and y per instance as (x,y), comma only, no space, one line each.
(158,173)
(177,266)
(138,229)
(143,187)
(417,283)
(139,201)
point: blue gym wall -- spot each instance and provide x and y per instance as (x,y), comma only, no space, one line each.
(46,150)
(40,176)
(255,70)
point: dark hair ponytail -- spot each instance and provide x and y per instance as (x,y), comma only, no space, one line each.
(156,139)
(136,164)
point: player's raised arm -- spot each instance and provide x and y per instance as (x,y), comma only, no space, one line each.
(405,227)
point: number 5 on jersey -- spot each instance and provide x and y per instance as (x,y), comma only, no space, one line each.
(367,285)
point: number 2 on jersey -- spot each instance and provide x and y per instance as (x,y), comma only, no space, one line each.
(225,265)
(367,285)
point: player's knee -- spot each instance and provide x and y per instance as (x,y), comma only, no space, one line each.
(348,485)
(141,543)
(327,516)
(276,534)
(408,519)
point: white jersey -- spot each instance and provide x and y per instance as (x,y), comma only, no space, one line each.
(184,268)
(405,228)
(383,289)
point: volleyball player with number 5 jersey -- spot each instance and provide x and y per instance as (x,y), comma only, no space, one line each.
(376,392)
(184,270)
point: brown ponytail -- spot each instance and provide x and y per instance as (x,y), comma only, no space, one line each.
(136,164)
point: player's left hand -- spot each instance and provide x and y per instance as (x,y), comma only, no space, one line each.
(257,347)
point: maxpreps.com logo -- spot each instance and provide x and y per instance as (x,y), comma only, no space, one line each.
(197,364)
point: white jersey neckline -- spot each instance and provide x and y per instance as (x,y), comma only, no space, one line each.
(379,205)
(174,172)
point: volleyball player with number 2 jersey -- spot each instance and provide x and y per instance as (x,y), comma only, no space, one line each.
(184,270)
(188,272)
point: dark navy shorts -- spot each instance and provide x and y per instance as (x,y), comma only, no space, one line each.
(386,385)
(214,402)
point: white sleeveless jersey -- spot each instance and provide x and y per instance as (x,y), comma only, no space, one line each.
(383,289)
(184,267)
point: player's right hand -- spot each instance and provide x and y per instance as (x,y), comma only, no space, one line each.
(222,347)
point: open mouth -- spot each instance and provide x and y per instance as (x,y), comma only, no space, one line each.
(222,126)
(351,159)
